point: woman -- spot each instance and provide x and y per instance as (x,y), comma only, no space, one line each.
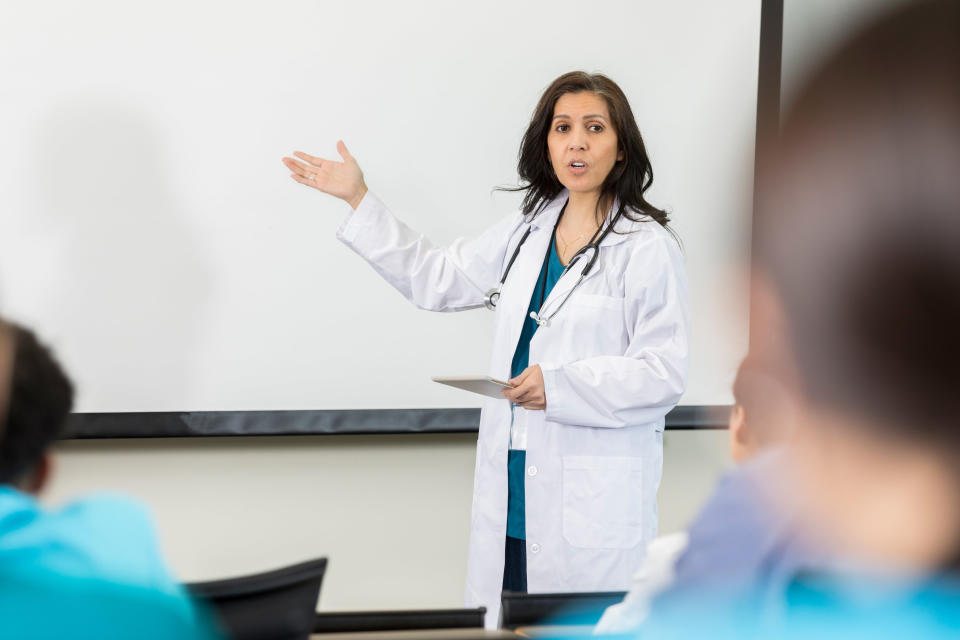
(594,343)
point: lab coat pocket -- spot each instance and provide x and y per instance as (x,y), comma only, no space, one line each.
(613,303)
(603,501)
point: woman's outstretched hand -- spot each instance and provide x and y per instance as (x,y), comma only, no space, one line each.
(343,180)
(528,389)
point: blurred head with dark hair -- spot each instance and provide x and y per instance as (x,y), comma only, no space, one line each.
(858,285)
(38,401)
(6,371)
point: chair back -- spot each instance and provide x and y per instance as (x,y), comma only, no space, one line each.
(531,609)
(275,605)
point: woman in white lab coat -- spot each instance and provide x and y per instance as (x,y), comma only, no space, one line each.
(591,326)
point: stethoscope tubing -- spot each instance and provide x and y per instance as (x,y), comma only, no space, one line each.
(493,296)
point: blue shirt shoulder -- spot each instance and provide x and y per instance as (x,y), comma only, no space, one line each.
(102,546)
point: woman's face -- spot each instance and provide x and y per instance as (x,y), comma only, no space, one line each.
(582,142)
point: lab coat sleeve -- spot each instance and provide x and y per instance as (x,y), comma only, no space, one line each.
(645,383)
(454,278)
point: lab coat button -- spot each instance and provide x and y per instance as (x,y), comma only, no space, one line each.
(532,470)
(535,548)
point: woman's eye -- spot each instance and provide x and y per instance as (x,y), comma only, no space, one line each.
(563,128)
(596,128)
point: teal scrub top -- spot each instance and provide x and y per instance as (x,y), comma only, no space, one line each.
(549,275)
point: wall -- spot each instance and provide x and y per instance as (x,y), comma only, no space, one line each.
(391,512)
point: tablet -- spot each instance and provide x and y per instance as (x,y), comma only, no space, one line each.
(484,385)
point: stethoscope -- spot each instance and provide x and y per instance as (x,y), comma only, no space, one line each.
(493,296)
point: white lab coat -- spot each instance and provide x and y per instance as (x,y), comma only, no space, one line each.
(614,362)
(655,575)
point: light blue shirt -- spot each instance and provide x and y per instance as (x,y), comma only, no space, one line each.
(92,568)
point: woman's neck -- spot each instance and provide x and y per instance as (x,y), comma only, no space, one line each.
(582,210)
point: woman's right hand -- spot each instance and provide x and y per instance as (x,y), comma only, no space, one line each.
(341,179)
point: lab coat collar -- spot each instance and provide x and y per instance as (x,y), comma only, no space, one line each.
(547,218)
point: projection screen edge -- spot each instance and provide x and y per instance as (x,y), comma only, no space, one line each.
(164,424)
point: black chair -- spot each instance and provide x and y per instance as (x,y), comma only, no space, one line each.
(359,621)
(531,609)
(275,605)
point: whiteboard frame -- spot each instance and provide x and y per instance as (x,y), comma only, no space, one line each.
(394,421)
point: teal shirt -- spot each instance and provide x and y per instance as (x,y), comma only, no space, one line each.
(91,569)
(549,274)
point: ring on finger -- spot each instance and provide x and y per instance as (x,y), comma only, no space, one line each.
(311,176)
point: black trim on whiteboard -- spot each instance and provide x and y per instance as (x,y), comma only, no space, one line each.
(168,424)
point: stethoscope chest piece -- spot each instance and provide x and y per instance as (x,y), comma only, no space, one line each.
(492,298)
(541,321)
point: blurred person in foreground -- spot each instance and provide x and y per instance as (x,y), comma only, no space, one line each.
(857,300)
(729,521)
(91,569)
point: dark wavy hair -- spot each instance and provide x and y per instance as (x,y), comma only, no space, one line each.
(627,181)
(40,399)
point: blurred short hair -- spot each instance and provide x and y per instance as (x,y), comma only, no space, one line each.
(39,401)
(858,226)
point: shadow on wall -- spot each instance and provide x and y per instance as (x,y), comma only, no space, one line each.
(132,284)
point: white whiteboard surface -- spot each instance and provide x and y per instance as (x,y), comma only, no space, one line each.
(149,231)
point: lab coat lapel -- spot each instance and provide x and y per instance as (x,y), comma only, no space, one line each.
(522,280)
(570,279)
(567,282)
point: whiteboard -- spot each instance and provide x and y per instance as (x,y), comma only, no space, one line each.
(150,233)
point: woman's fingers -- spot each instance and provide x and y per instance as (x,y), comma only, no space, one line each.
(306,157)
(299,168)
(343,180)
(528,389)
(519,393)
(512,394)
(342,150)
(302,180)
(306,174)
(528,395)
(526,373)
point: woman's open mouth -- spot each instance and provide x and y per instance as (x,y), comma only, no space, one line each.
(577,167)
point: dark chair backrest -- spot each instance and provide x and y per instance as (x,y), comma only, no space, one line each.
(359,621)
(529,609)
(275,605)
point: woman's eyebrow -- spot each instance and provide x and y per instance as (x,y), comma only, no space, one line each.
(586,117)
